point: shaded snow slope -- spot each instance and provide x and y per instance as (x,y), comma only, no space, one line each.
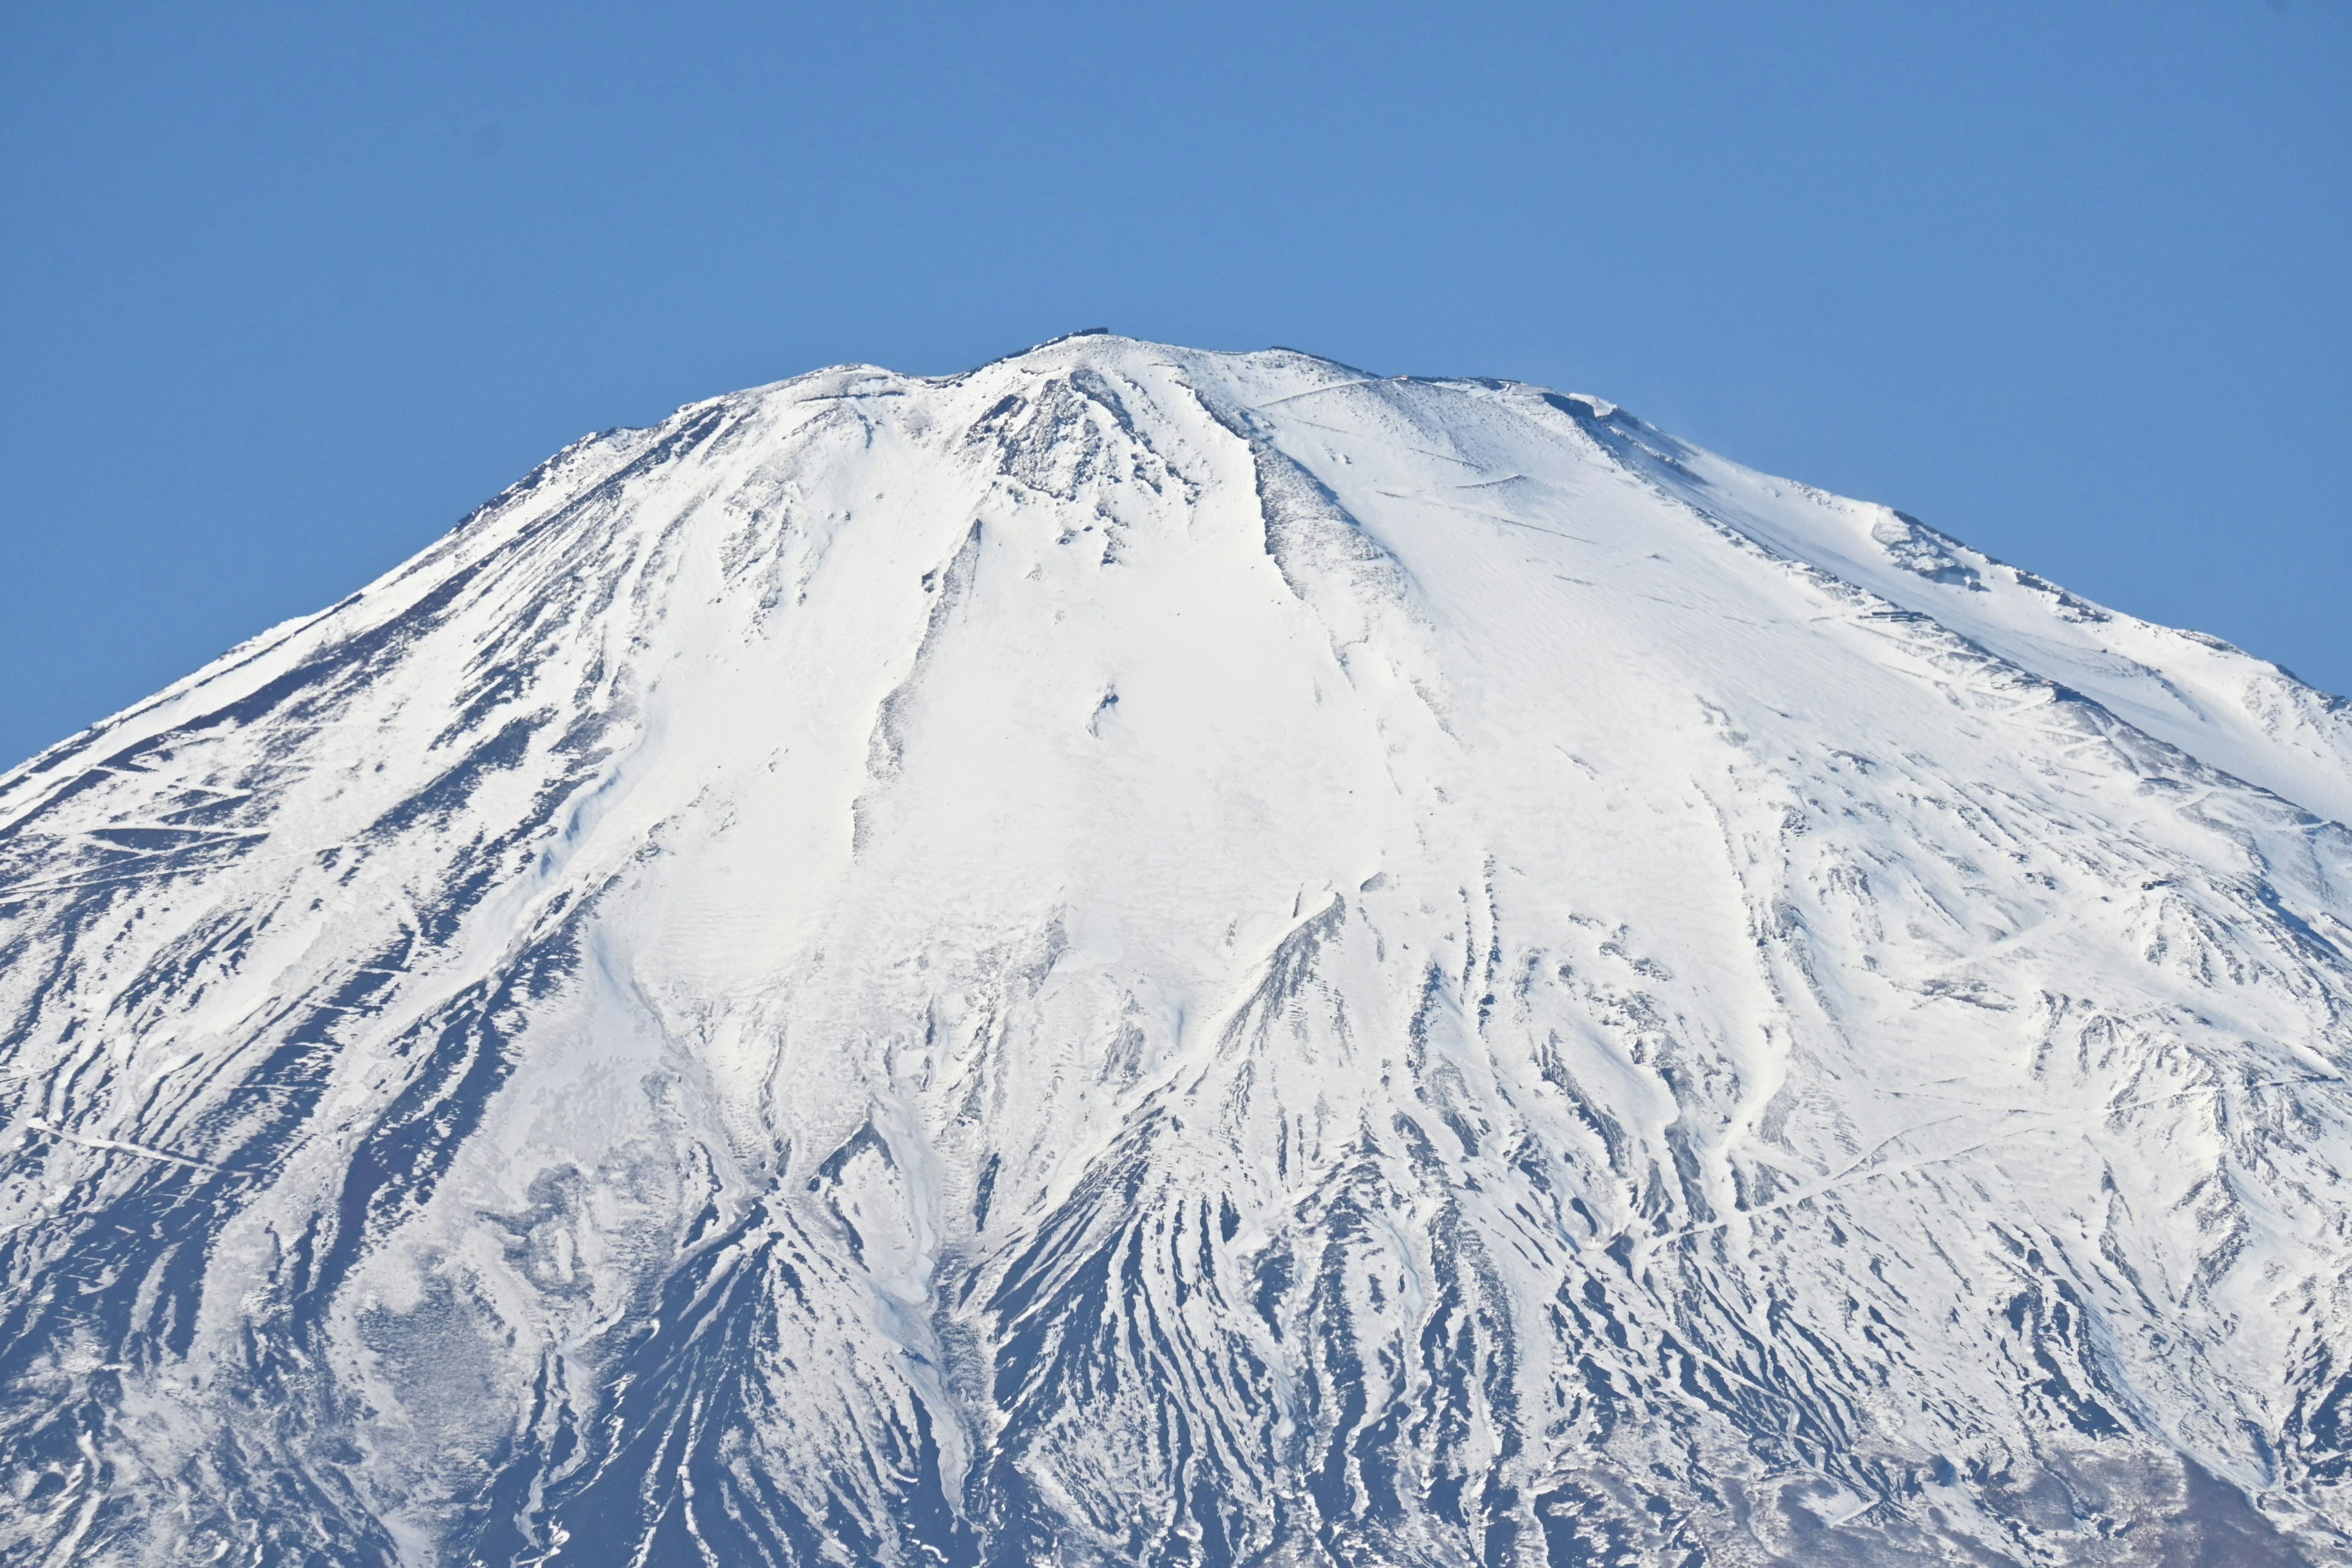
(1151,956)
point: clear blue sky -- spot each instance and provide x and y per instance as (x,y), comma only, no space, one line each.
(285,290)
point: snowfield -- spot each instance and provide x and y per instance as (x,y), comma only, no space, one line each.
(1146,956)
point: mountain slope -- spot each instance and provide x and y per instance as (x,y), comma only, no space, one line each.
(1151,956)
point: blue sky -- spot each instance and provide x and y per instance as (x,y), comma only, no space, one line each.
(285,290)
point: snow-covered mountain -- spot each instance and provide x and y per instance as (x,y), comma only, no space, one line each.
(1144,956)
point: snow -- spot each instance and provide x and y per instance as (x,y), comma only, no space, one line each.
(1145,955)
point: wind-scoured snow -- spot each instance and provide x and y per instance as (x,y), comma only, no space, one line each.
(1144,956)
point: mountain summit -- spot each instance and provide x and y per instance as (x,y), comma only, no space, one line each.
(1152,957)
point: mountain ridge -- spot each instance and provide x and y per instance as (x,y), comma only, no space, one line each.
(1142,955)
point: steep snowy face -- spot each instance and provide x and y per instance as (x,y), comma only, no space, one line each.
(1143,956)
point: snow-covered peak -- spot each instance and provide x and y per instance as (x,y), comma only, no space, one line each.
(1148,955)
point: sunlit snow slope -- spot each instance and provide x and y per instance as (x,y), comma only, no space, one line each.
(1144,956)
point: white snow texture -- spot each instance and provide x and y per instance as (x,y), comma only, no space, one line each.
(1148,956)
